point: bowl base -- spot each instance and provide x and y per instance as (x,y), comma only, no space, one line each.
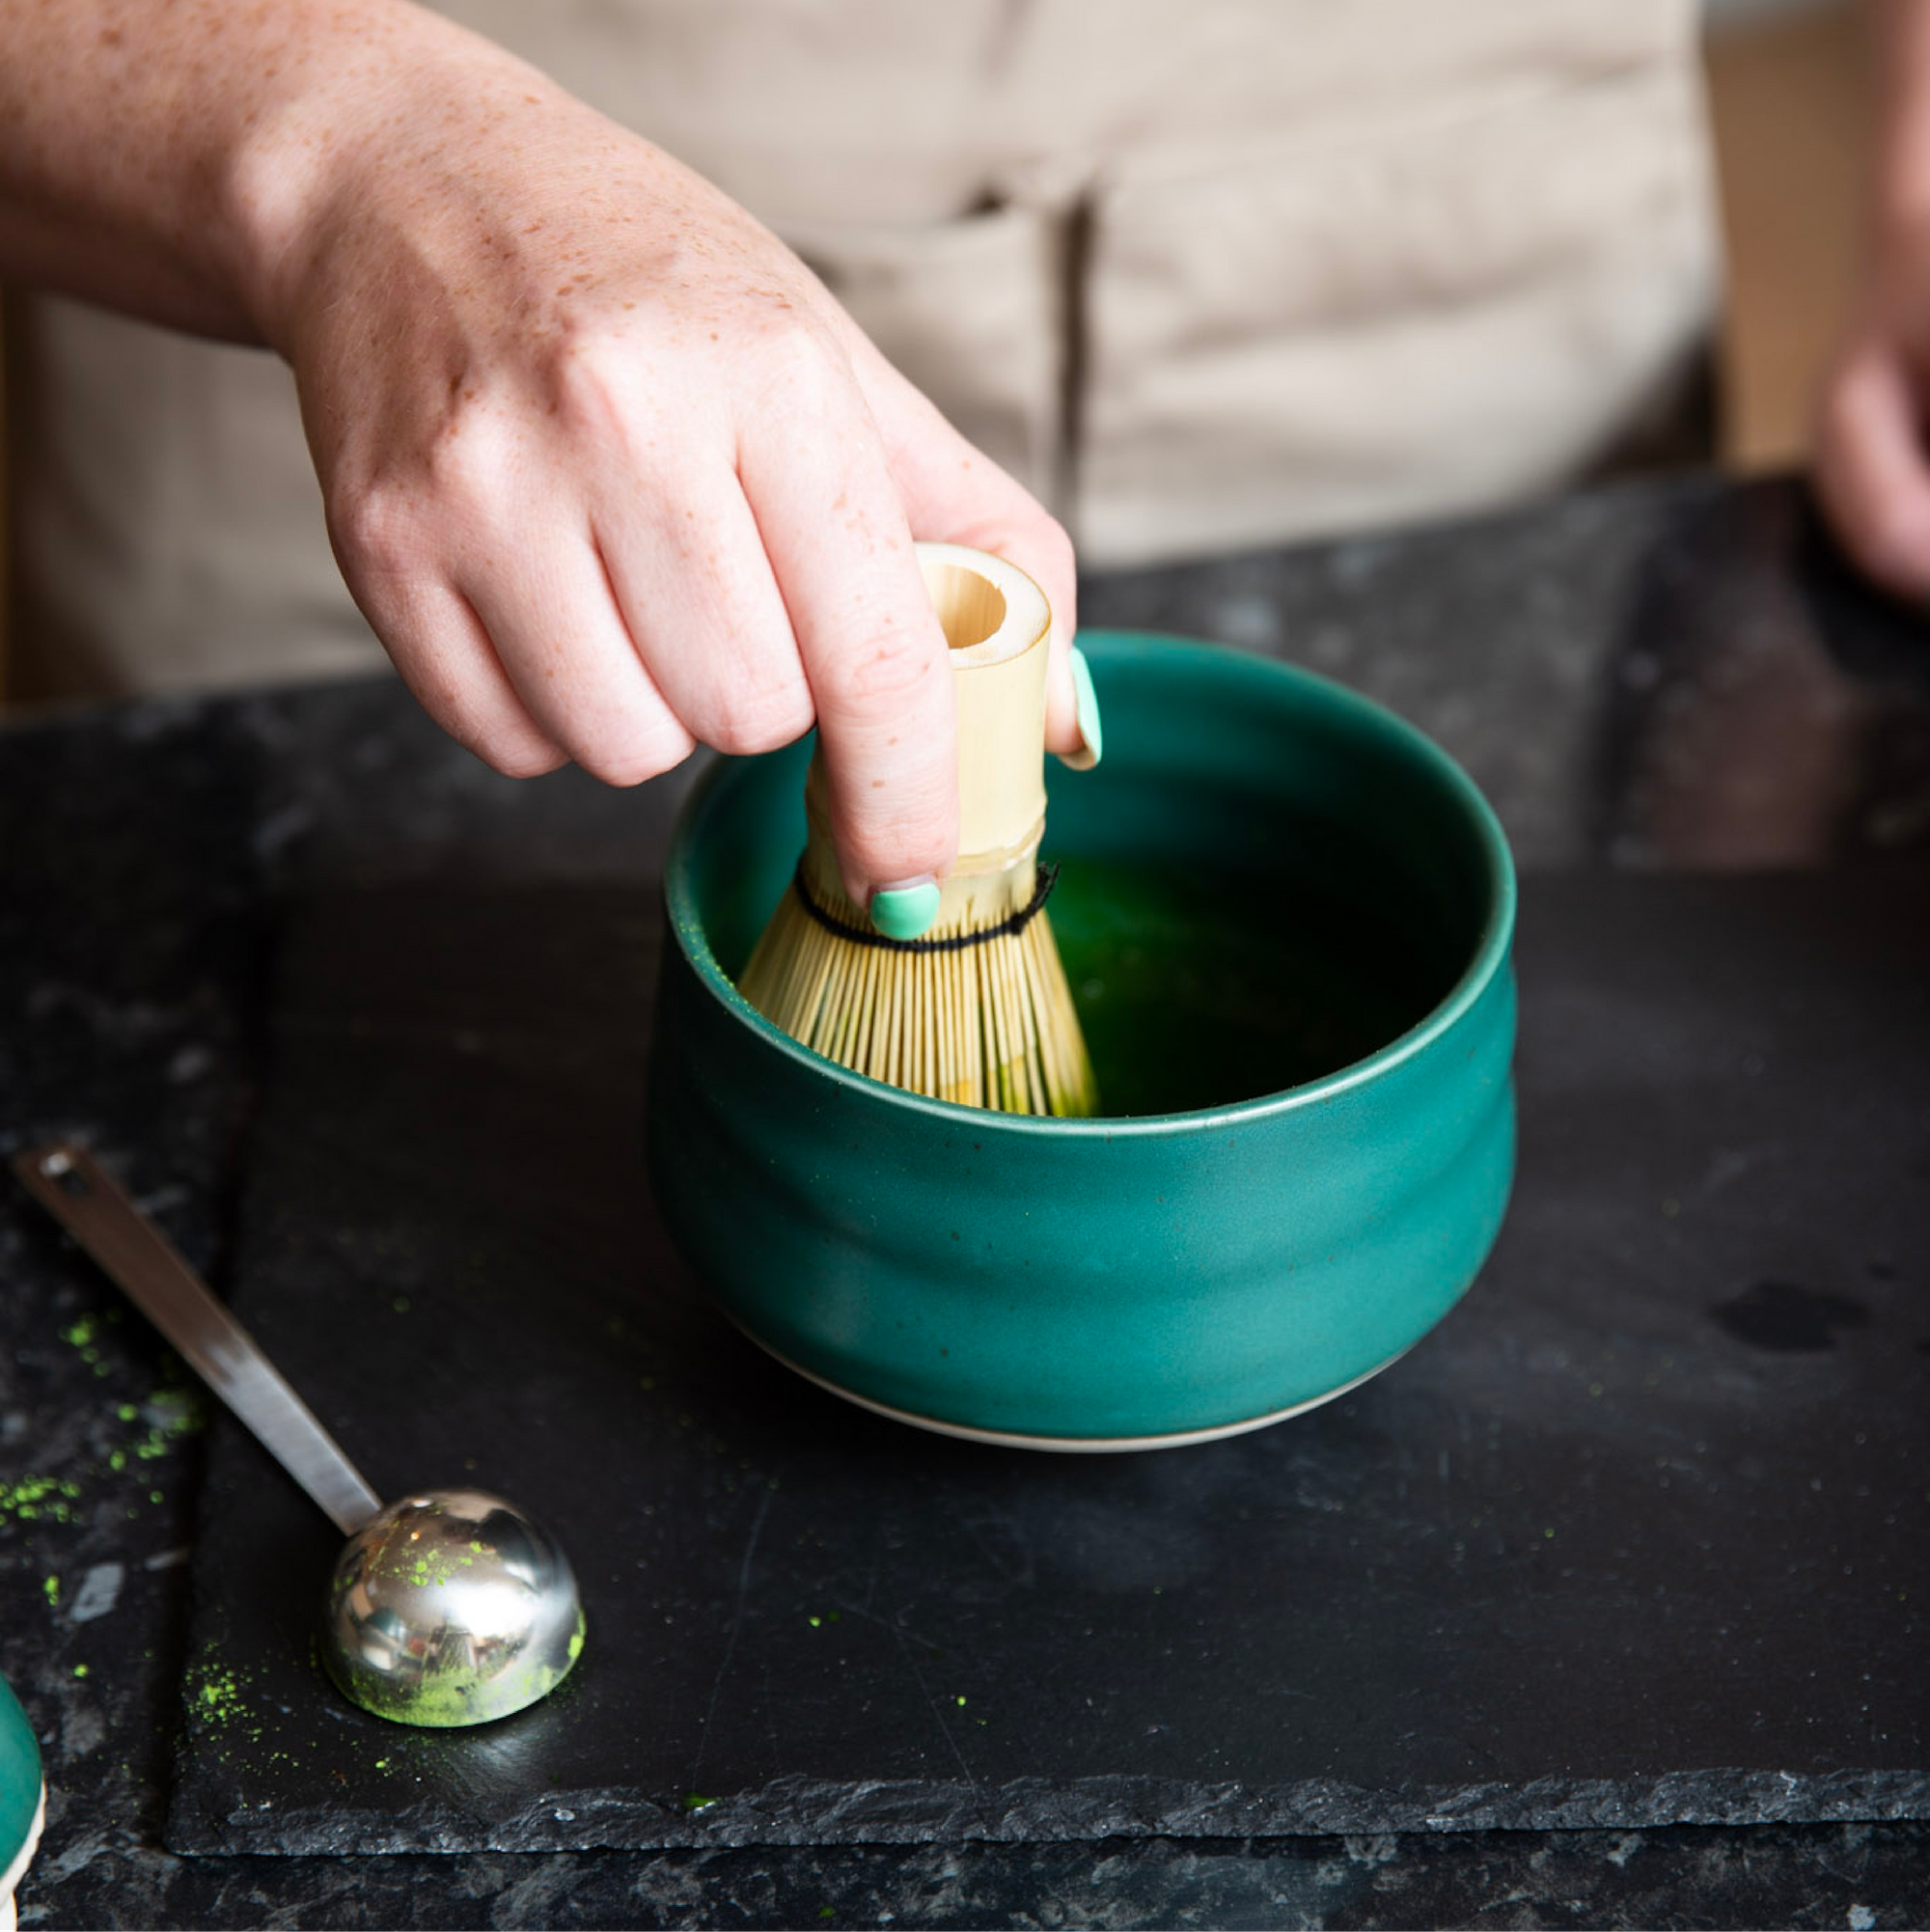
(1077,1445)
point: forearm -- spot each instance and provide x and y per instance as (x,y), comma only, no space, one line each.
(1900,197)
(164,159)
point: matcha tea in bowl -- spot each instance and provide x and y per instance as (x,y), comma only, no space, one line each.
(1286,918)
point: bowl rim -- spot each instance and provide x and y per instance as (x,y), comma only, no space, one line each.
(1489,956)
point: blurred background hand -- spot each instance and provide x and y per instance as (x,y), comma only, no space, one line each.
(1870,464)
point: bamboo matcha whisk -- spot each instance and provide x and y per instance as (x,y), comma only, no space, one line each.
(977,1010)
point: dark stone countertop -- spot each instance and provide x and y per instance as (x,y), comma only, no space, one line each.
(1659,675)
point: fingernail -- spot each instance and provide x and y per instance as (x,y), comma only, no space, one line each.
(1089,727)
(905,912)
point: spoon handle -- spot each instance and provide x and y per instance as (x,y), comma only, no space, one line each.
(74,1189)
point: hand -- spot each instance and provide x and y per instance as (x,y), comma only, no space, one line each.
(608,471)
(1873,472)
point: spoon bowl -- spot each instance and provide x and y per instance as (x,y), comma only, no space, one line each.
(450,1607)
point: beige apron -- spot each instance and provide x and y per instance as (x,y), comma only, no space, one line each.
(1204,273)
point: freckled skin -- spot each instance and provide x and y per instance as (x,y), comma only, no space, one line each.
(607,468)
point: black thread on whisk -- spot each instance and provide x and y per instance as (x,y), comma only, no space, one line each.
(867,935)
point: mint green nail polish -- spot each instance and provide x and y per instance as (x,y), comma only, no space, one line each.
(1089,727)
(905,912)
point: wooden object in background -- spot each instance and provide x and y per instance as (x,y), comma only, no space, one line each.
(986,1022)
(1791,103)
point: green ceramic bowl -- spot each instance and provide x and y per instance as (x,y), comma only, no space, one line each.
(1287,917)
(23,1797)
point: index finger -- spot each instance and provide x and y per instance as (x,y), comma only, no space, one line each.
(1872,475)
(873,654)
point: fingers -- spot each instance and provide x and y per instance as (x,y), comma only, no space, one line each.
(835,531)
(624,609)
(696,592)
(953,494)
(514,647)
(442,651)
(554,628)
(1871,472)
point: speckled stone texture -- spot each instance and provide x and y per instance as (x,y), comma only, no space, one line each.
(1654,676)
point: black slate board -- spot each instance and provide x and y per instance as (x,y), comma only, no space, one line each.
(1636,1537)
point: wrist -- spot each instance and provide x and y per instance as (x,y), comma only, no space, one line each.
(354,112)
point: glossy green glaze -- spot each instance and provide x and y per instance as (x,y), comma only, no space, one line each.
(1287,918)
(20,1778)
